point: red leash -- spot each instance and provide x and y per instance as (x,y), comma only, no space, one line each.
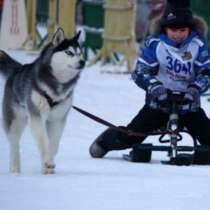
(120,129)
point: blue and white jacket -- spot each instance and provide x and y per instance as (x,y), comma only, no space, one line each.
(176,67)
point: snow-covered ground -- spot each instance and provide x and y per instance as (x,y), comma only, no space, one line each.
(83,183)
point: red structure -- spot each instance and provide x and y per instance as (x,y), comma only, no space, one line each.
(1,4)
(147,10)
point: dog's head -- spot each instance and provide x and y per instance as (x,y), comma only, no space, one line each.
(67,55)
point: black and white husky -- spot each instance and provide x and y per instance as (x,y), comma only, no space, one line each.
(41,92)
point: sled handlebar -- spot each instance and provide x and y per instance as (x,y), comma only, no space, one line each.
(175,98)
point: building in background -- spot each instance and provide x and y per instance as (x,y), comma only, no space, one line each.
(89,14)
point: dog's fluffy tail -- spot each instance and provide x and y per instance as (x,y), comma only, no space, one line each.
(8,65)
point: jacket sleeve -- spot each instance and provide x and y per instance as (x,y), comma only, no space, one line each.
(147,65)
(202,65)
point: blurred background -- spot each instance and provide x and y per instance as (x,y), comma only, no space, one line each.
(101,21)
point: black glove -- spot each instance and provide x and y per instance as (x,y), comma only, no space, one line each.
(206,72)
(192,94)
(157,91)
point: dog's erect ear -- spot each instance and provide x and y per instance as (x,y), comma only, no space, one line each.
(58,37)
(76,37)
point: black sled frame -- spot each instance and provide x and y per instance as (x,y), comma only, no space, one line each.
(178,155)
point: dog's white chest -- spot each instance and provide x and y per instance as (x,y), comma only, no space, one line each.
(60,110)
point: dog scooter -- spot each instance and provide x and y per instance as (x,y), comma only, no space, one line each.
(178,155)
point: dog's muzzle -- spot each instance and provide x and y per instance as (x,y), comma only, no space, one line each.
(81,64)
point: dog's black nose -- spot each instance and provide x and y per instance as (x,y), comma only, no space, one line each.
(81,63)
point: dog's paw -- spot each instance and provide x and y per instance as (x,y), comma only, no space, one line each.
(49,168)
(14,170)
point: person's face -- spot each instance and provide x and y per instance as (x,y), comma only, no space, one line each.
(178,35)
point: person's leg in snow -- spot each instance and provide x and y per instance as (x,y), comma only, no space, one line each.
(147,120)
(198,125)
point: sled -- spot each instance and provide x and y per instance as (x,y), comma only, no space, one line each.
(178,155)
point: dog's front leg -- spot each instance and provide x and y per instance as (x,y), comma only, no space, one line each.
(39,131)
(55,129)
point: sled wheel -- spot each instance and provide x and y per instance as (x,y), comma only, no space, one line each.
(141,153)
(180,160)
(202,155)
(183,159)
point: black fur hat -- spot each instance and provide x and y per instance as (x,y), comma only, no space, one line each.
(177,14)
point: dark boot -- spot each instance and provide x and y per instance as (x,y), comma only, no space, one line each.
(96,150)
(105,142)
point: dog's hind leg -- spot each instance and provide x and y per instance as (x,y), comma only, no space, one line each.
(14,124)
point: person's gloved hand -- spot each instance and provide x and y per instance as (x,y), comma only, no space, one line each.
(192,94)
(158,91)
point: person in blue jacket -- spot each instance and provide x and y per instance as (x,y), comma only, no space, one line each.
(174,58)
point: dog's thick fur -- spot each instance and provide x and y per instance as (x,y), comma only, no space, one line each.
(41,92)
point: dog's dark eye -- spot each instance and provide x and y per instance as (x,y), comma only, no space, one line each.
(68,52)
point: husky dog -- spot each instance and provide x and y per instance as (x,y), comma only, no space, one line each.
(41,92)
